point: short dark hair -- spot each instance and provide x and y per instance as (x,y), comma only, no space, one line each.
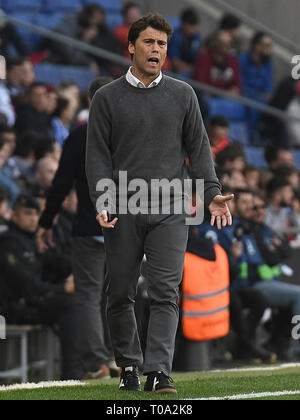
(62,105)
(276,184)
(219,121)
(128,6)
(229,22)
(190,16)
(154,21)
(2,142)
(257,38)
(27,143)
(232,152)
(97,84)
(271,152)
(239,193)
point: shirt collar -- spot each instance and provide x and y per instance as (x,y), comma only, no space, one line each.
(134,81)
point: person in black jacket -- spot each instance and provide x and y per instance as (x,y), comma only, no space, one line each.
(88,252)
(29,299)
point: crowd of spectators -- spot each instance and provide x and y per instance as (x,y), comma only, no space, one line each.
(36,119)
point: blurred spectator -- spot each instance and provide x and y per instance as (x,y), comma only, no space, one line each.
(32,300)
(252,177)
(52,98)
(6,105)
(5,212)
(293,126)
(232,158)
(32,115)
(218,133)
(45,172)
(216,66)
(231,24)
(62,119)
(185,44)
(70,91)
(14,81)
(288,174)
(257,74)
(281,197)
(279,156)
(6,178)
(131,12)
(47,147)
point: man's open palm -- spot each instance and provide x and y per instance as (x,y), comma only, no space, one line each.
(219,210)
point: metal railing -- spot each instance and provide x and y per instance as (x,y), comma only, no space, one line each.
(125,63)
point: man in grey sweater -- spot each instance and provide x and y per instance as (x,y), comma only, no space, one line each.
(145,124)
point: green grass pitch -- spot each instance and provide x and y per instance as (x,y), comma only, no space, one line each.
(208,385)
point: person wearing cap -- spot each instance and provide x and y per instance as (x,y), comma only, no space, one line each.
(31,299)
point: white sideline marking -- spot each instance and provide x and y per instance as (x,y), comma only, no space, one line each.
(42,385)
(248,396)
(259,369)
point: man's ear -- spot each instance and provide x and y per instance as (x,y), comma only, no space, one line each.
(131,48)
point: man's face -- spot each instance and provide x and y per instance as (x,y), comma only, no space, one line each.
(150,52)
(287,195)
(188,29)
(223,44)
(217,134)
(4,155)
(26,219)
(133,15)
(46,172)
(265,48)
(244,206)
(39,98)
(11,142)
(285,158)
(259,210)
(28,74)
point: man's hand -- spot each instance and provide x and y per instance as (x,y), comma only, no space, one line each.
(44,239)
(220,212)
(70,285)
(103,220)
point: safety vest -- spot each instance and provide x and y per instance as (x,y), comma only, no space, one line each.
(206,297)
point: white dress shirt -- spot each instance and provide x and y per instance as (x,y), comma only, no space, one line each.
(138,84)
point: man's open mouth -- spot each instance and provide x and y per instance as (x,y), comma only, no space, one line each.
(153,60)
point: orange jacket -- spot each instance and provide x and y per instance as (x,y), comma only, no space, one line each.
(206,297)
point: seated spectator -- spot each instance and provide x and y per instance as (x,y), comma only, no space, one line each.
(25,155)
(131,13)
(62,119)
(257,73)
(70,91)
(33,300)
(281,195)
(185,44)
(52,98)
(14,73)
(6,178)
(216,66)
(5,212)
(6,106)
(288,174)
(218,133)
(252,177)
(279,156)
(231,24)
(45,172)
(232,158)
(293,126)
(47,147)
(32,115)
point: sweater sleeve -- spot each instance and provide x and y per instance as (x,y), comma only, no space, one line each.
(199,151)
(99,164)
(63,181)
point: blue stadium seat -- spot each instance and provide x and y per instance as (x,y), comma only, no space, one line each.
(29,38)
(296,154)
(49,20)
(55,74)
(256,156)
(21,5)
(54,6)
(114,19)
(230,109)
(109,5)
(239,132)
(174,21)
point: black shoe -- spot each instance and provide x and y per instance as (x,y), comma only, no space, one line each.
(160,383)
(130,380)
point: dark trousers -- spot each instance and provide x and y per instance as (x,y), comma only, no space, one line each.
(163,239)
(89,267)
